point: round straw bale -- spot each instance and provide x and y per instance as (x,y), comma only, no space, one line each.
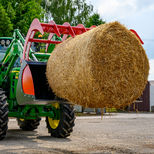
(104,67)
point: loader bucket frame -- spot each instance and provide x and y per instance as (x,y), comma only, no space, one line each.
(52,28)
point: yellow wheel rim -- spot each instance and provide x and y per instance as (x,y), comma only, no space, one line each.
(21,119)
(54,123)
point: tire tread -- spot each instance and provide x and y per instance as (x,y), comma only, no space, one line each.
(3,114)
(66,124)
(29,125)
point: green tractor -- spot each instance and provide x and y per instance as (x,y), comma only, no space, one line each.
(24,90)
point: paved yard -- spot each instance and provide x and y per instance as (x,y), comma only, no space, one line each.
(119,133)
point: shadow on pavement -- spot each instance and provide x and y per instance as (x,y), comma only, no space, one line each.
(50,138)
(18,141)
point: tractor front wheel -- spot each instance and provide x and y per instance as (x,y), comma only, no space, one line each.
(64,126)
(3,114)
(28,125)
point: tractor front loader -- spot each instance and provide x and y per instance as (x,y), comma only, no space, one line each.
(24,90)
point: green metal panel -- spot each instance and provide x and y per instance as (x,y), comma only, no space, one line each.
(13,77)
(22,98)
(42,56)
(8,38)
(35,111)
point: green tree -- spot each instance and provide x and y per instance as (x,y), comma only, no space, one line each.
(72,11)
(94,20)
(26,14)
(22,13)
(83,11)
(10,11)
(5,23)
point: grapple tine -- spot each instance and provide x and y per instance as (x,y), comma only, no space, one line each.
(56,30)
(132,30)
(69,28)
(34,27)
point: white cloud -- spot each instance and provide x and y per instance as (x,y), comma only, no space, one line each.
(134,14)
(119,9)
(151,74)
(113,9)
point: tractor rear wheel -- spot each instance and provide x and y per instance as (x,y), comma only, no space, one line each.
(64,126)
(28,125)
(3,114)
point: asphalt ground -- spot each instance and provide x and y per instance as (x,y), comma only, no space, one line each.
(111,134)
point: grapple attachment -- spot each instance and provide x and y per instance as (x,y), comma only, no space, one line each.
(52,28)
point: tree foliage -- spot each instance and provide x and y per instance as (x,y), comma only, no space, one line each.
(5,24)
(94,20)
(27,13)
(72,11)
(20,13)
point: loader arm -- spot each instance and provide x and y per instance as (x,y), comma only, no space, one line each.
(13,52)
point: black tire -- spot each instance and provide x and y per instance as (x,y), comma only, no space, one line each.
(66,123)
(3,114)
(28,125)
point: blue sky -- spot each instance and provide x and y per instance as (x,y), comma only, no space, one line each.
(134,14)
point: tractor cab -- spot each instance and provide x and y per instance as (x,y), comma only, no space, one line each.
(4,44)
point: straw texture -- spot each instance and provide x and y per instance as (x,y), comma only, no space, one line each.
(104,67)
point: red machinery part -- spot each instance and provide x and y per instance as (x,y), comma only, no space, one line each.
(51,28)
(132,30)
(60,30)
